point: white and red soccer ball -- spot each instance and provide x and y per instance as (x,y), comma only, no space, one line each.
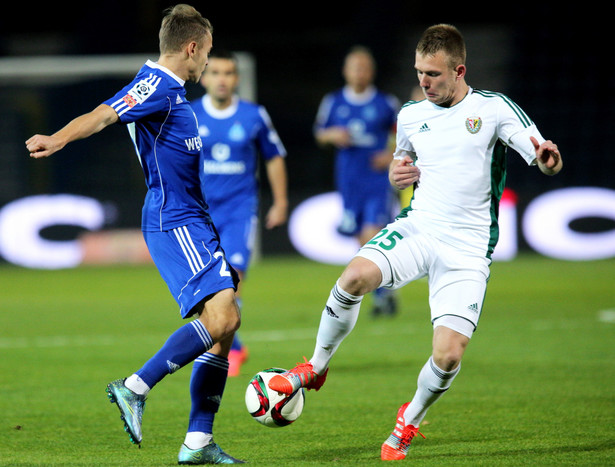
(269,407)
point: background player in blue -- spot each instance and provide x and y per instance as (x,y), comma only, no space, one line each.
(177,228)
(234,133)
(359,120)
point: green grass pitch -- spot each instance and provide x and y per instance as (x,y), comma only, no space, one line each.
(536,386)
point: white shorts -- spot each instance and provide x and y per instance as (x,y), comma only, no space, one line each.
(405,251)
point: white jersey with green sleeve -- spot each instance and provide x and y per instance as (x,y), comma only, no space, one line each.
(461,152)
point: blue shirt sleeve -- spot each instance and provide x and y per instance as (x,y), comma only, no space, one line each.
(267,137)
(142,97)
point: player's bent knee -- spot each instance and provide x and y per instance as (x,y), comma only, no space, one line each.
(360,277)
(221,324)
(446,362)
(448,348)
(221,316)
(228,321)
(448,358)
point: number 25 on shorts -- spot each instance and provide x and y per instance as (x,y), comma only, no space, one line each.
(385,239)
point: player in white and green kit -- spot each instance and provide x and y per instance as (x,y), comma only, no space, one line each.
(451,147)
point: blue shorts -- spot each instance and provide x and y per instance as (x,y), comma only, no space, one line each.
(192,263)
(237,231)
(365,209)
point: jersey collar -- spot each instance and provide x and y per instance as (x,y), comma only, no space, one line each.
(359,98)
(217,113)
(151,64)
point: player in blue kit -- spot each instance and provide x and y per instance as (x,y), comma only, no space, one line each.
(235,134)
(176,226)
(358,120)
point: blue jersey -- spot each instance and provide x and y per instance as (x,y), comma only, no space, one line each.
(369,117)
(163,128)
(232,140)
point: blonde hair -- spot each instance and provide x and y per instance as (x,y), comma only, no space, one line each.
(182,24)
(446,38)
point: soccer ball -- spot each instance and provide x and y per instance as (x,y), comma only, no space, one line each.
(269,407)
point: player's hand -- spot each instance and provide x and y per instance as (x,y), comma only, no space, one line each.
(42,146)
(276,216)
(338,136)
(547,155)
(403,173)
(381,160)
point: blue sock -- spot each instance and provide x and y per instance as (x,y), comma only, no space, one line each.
(182,347)
(207,383)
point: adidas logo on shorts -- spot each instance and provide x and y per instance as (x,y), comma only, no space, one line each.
(473,307)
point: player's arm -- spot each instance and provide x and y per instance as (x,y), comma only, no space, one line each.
(337,136)
(277,176)
(381,160)
(326,133)
(548,158)
(526,139)
(403,173)
(79,128)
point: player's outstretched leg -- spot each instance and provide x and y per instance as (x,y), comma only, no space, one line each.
(337,321)
(302,376)
(397,444)
(131,407)
(210,454)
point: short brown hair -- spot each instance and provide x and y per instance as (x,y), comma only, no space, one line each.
(180,25)
(446,38)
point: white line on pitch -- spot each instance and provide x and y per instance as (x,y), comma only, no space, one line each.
(104,340)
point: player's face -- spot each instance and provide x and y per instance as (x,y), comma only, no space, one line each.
(358,71)
(199,58)
(440,83)
(220,79)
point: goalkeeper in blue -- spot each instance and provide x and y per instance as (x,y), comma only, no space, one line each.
(177,228)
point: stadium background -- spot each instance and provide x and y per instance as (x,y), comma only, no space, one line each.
(554,69)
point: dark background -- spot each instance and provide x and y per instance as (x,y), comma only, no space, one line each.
(552,63)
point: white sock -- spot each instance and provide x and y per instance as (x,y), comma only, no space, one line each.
(432,383)
(197,439)
(137,385)
(337,320)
